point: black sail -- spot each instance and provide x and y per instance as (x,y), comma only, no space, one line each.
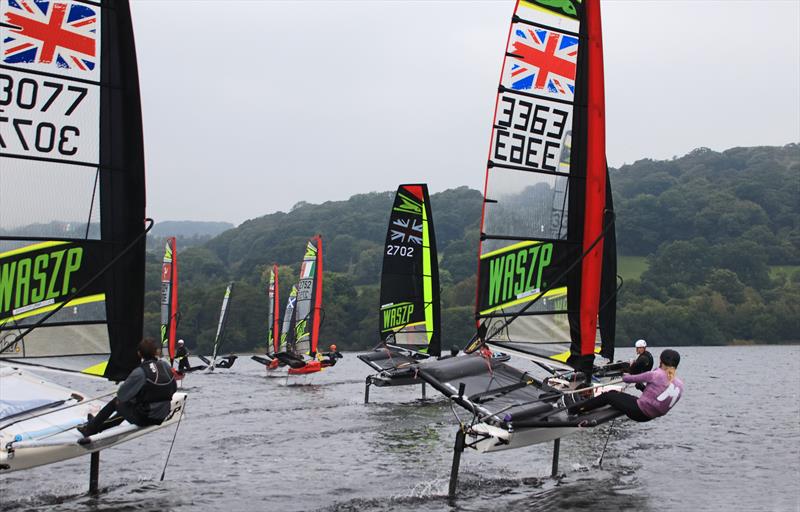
(72,191)
(410,307)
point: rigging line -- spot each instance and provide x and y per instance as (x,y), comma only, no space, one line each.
(91,203)
(613,295)
(602,454)
(557,280)
(563,209)
(166,462)
(82,288)
(79,402)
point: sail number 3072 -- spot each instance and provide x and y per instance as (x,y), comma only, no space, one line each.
(400,250)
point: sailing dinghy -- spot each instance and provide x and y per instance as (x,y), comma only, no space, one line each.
(169,309)
(72,236)
(410,319)
(169,299)
(273,323)
(226,361)
(305,318)
(547,256)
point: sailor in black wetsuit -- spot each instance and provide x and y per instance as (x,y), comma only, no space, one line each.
(227,361)
(182,355)
(143,399)
(642,363)
(329,358)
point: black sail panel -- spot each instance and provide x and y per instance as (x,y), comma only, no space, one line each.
(122,187)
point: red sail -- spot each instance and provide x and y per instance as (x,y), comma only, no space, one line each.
(317,305)
(595,181)
(276,315)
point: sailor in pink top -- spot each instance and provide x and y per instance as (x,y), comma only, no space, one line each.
(662,392)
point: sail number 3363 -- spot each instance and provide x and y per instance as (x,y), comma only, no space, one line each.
(43,101)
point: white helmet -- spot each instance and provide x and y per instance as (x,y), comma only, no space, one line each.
(641,344)
(180,342)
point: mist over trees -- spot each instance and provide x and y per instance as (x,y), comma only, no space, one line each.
(720,233)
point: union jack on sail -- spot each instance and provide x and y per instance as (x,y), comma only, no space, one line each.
(58,33)
(407,228)
(545,60)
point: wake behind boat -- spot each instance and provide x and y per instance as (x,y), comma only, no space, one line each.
(72,237)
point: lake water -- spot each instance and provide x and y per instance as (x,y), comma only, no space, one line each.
(249,442)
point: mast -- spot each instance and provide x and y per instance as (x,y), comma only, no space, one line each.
(547,260)
(273,339)
(317,298)
(169,297)
(72,233)
(409,299)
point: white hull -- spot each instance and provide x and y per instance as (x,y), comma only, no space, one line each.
(41,440)
(487,438)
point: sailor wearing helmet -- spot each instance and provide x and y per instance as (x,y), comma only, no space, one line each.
(329,358)
(182,355)
(642,363)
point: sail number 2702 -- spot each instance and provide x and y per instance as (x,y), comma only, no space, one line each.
(400,250)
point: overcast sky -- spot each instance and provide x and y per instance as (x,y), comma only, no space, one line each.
(252,106)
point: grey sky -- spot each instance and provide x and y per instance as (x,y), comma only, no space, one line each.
(252,106)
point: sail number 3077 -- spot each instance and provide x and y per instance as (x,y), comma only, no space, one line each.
(400,250)
(45,101)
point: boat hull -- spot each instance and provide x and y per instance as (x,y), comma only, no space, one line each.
(32,451)
(487,438)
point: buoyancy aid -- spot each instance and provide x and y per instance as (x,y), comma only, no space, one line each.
(159,385)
